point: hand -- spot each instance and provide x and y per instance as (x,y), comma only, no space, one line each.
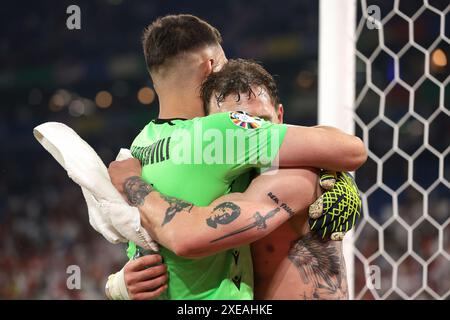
(145,277)
(337,210)
(123,217)
(119,171)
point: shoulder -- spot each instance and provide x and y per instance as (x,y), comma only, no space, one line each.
(232,120)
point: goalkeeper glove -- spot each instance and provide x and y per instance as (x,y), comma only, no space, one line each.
(337,210)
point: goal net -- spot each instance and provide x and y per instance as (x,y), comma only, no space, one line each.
(398,74)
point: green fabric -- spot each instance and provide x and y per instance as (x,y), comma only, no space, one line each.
(228,274)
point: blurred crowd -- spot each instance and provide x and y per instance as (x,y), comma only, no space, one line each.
(49,73)
(44,229)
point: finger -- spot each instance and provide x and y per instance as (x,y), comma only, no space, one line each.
(316,209)
(150,295)
(144,262)
(150,273)
(150,285)
(324,232)
(327,179)
(319,224)
(313,224)
(324,225)
(332,225)
(337,236)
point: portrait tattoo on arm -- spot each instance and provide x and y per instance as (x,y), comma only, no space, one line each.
(175,206)
(224,213)
(320,263)
(136,190)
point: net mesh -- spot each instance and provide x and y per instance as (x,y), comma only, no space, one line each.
(402,243)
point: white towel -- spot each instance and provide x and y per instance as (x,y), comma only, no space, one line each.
(109,213)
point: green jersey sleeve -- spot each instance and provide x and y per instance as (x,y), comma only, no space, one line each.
(239,141)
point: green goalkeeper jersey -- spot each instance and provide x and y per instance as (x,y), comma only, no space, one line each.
(197,161)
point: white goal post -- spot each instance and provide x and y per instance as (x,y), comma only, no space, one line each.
(337,20)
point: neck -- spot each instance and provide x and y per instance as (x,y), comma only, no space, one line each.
(179,106)
(175,114)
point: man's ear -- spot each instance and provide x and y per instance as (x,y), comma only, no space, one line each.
(209,67)
(280,113)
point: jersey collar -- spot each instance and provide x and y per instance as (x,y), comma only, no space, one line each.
(169,121)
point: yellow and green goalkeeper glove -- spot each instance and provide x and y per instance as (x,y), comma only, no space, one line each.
(337,210)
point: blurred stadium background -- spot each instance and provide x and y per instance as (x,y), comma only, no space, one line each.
(95,80)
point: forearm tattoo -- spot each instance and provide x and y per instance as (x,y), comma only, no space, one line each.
(259,223)
(320,263)
(136,190)
(175,206)
(283,205)
(228,212)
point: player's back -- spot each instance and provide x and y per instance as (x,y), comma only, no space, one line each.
(180,162)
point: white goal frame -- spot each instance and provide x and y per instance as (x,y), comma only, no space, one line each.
(337,23)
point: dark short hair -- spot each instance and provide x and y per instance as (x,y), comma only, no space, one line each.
(237,77)
(170,35)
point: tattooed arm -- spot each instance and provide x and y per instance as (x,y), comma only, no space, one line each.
(231,220)
(193,231)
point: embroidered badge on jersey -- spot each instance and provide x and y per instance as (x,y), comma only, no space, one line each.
(244,120)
